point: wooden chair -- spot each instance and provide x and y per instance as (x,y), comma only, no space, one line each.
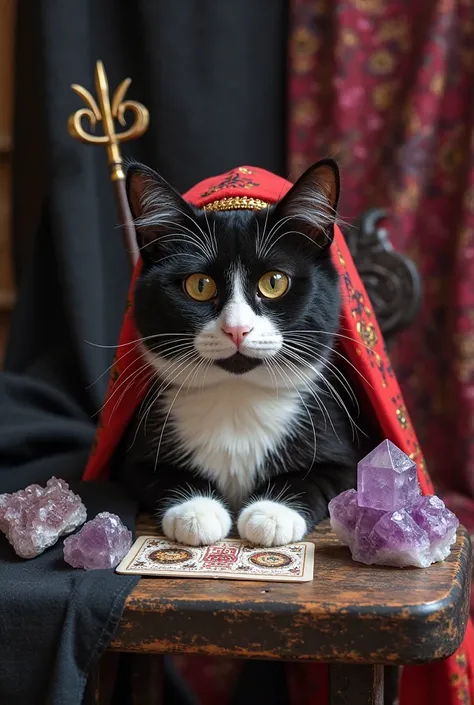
(358,619)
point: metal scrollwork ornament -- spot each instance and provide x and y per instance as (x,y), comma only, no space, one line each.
(107,112)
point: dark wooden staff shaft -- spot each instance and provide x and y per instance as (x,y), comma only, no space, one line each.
(128,228)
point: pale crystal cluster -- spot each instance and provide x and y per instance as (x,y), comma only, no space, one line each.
(33,519)
(101,543)
(387,521)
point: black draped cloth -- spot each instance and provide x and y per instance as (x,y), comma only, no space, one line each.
(212,75)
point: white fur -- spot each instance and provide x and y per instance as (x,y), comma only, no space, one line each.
(225,424)
(229,428)
(268,523)
(197,521)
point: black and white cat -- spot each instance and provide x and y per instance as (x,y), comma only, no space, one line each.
(248,418)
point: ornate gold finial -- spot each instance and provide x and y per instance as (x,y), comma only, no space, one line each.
(106,113)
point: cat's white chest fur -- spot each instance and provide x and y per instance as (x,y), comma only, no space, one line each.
(229,429)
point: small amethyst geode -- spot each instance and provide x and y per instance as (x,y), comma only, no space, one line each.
(101,543)
(33,519)
(387,521)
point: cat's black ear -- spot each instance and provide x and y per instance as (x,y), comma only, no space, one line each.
(312,202)
(157,208)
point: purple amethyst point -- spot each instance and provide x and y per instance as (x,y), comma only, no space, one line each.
(387,479)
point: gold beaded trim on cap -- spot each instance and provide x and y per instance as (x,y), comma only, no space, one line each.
(235,203)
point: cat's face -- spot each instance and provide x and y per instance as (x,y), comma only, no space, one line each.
(251,294)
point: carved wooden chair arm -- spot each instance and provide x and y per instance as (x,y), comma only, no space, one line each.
(392,280)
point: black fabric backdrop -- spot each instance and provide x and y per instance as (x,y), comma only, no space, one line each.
(212,73)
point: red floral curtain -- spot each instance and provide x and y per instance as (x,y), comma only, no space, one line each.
(388,86)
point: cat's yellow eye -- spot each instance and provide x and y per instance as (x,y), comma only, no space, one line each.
(200,287)
(273,285)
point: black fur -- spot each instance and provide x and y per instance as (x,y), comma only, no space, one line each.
(312,303)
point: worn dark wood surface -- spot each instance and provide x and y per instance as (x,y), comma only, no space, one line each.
(356,685)
(349,613)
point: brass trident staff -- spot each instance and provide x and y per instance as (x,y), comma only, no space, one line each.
(107,112)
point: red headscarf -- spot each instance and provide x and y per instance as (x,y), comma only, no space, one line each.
(444,683)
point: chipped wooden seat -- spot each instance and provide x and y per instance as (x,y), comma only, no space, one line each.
(355,618)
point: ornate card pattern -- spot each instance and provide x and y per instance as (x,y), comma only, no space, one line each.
(231,559)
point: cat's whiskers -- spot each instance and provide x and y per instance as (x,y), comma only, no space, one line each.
(114,362)
(278,358)
(169,413)
(211,240)
(133,376)
(167,381)
(144,373)
(154,219)
(257,236)
(331,333)
(259,245)
(334,351)
(134,360)
(138,340)
(309,383)
(274,229)
(184,239)
(299,346)
(176,349)
(133,382)
(214,234)
(120,383)
(207,239)
(264,239)
(291,232)
(193,378)
(178,254)
(205,371)
(271,374)
(332,391)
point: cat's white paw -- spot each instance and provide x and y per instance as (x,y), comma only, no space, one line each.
(198,521)
(268,523)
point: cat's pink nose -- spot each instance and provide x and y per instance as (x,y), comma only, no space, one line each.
(236,333)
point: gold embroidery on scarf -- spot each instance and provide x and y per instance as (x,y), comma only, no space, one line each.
(340,256)
(420,460)
(237,203)
(401,414)
(381,368)
(367,333)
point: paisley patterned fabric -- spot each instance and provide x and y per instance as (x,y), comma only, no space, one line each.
(362,344)
(388,86)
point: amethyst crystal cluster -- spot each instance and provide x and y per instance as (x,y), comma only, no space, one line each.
(34,518)
(101,543)
(387,521)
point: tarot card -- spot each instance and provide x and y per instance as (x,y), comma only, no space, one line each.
(231,559)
